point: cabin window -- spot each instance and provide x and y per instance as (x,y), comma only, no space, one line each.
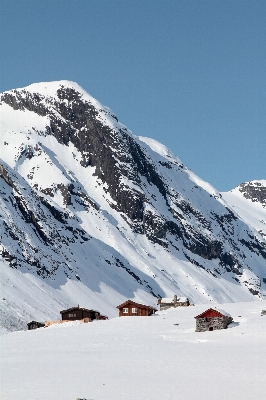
(125,310)
(134,310)
(72,315)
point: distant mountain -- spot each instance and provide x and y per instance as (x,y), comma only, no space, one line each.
(92,214)
(249,201)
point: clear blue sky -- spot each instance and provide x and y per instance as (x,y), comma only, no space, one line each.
(191,74)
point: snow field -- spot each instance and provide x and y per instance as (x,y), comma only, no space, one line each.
(140,358)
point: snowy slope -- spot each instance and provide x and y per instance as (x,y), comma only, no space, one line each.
(93,215)
(158,357)
(248,200)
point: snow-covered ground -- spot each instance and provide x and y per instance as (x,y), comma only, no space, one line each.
(140,358)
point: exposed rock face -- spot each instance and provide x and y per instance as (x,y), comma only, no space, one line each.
(74,120)
(255,191)
(249,201)
(156,196)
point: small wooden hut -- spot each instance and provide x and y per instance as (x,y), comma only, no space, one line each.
(78,313)
(102,317)
(35,325)
(130,308)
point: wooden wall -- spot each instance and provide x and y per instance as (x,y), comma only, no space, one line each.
(78,314)
(140,311)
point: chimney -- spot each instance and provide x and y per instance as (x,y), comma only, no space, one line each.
(175,298)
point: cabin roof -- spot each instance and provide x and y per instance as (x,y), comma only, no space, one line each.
(218,312)
(133,303)
(77,308)
(225,313)
(171,299)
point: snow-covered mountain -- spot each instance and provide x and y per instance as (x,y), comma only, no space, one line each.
(92,214)
(249,201)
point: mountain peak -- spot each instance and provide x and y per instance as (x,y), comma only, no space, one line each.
(254,190)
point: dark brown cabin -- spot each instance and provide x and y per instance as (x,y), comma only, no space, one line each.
(77,313)
(130,308)
(212,319)
(35,325)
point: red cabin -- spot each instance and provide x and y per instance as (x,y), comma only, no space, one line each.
(212,319)
(130,308)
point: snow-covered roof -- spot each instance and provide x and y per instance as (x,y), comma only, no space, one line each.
(207,312)
(167,300)
(76,308)
(220,310)
(171,299)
